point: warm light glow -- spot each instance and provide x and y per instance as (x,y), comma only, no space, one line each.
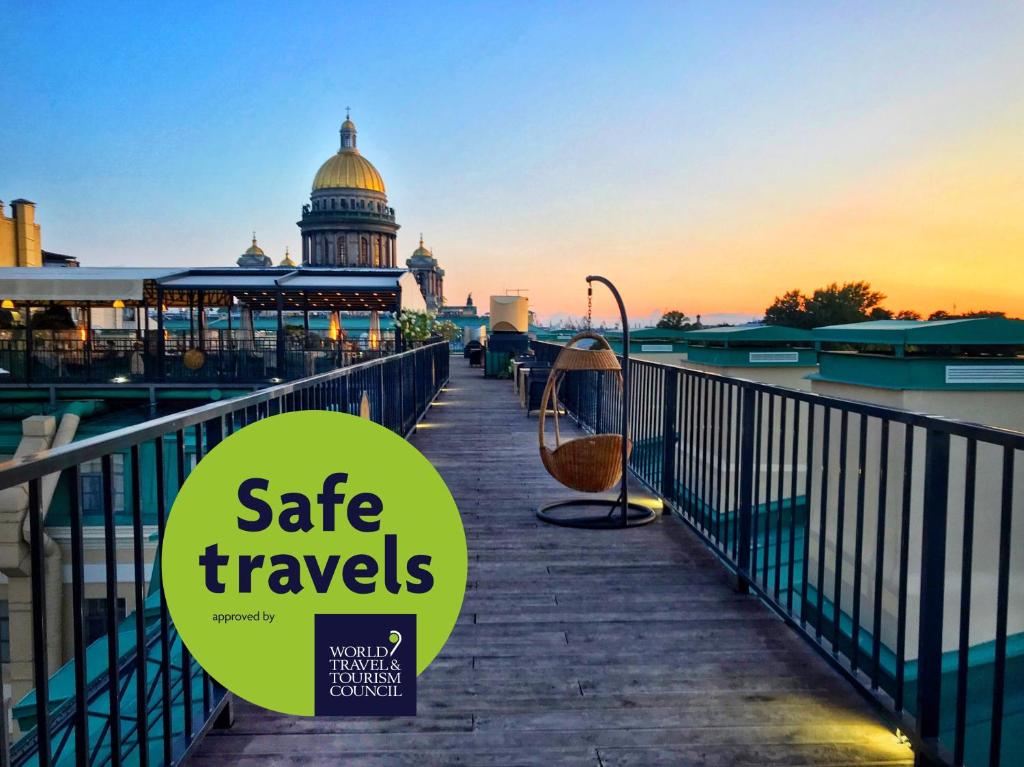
(118,304)
(373,338)
(936,227)
(7,304)
(334,330)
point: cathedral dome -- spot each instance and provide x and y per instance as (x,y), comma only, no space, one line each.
(422,251)
(348,169)
(254,249)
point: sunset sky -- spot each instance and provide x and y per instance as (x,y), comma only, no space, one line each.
(705,156)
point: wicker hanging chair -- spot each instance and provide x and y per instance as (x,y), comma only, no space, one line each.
(589,464)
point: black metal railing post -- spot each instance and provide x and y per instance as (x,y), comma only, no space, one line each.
(669,436)
(933,580)
(40,672)
(747,471)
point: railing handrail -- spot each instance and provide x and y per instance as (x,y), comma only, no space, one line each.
(858,515)
(967,429)
(21,469)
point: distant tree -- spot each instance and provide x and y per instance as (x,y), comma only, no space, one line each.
(972,315)
(906,314)
(836,305)
(831,305)
(674,320)
(789,309)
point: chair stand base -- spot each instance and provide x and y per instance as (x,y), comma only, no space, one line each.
(637,515)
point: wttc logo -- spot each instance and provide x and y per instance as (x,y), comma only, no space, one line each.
(365,665)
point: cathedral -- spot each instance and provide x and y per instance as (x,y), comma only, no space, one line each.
(347,221)
(348,224)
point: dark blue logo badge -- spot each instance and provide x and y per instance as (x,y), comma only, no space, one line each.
(365,665)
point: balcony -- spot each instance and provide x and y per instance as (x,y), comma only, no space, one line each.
(805,593)
(346,215)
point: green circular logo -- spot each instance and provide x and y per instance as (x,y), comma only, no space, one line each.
(302,515)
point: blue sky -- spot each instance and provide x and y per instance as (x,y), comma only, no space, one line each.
(666,144)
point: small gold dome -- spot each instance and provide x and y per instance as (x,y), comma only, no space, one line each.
(422,251)
(254,249)
(348,170)
(287,260)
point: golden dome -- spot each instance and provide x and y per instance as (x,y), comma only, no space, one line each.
(350,170)
(254,249)
(287,260)
(423,251)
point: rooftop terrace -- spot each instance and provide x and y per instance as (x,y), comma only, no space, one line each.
(825,572)
(580,647)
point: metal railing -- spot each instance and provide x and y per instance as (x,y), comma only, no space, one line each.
(135,693)
(883,536)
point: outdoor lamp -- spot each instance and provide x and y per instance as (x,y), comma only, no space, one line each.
(7,304)
(118,303)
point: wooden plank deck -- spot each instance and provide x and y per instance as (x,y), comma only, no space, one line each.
(580,647)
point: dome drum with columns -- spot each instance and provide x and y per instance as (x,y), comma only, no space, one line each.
(347,221)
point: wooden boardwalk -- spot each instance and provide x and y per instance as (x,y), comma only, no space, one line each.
(581,647)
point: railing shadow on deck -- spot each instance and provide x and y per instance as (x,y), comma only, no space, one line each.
(66,718)
(882,536)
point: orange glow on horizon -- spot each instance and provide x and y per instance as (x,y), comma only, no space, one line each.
(943,230)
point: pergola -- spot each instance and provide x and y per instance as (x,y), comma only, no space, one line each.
(276,289)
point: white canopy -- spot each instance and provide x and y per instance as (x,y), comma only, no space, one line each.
(85,284)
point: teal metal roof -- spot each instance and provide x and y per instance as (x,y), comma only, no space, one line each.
(655,334)
(645,334)
(744,334)
(984,331)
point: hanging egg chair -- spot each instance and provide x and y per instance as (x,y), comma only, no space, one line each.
(590,464)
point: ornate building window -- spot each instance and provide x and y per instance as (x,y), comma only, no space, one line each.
(364,252)
(376,252)
(342,250)
(334,203)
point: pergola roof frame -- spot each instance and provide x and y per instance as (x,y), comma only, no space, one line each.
(316,288)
